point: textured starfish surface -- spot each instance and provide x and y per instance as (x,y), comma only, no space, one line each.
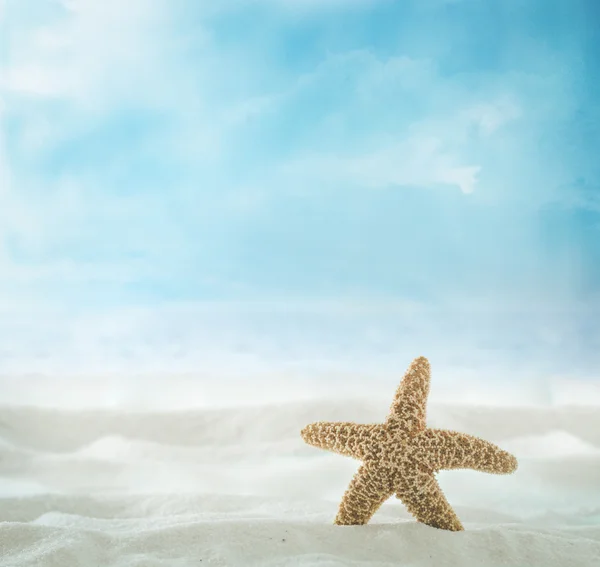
(402,455)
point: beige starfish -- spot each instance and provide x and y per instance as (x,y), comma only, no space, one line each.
(402,455)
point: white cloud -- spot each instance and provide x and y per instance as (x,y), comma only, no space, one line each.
(490,116)
(96,57)
(93,58)
(463,177)
(404,150)
(418,161)
(90,55)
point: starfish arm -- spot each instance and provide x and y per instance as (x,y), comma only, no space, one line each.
(420,492)
(409,408)
(346,438)
(368,490)
(443,449)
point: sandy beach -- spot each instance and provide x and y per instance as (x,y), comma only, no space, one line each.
(237,486)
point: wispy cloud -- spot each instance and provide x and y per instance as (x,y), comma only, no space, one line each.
(187,149)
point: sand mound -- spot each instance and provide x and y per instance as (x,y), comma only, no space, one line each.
(238,487)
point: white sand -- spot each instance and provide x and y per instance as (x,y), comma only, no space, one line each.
(237,486)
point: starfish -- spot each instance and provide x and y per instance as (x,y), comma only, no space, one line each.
(402,455)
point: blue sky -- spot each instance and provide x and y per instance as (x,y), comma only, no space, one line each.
(433,150)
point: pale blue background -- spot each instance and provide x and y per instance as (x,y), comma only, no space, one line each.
(319,156)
